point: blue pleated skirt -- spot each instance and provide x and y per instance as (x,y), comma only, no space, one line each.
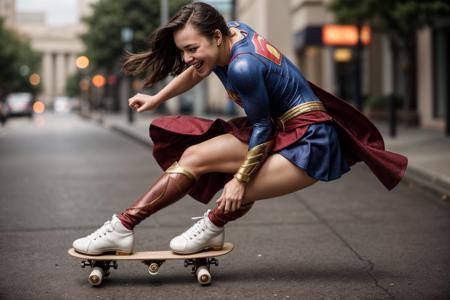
(318,152)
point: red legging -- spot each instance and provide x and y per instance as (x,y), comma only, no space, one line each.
(219,218)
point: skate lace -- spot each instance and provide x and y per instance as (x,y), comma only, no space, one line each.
(102,231)
(198,228)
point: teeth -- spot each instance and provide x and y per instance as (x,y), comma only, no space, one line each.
(198,65)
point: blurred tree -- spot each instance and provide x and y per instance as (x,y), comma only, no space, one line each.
(73,84)
(103,38)
(399,20)
(17,62)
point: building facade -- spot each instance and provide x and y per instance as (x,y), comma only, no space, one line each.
(296,27)
(7,10)
(58,45)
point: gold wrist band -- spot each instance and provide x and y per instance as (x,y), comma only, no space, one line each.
(255,157)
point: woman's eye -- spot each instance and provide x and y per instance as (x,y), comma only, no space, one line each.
(192,50)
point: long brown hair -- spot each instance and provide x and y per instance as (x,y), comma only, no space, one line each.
(163,57)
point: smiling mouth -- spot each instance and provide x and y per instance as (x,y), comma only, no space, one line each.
(198,65)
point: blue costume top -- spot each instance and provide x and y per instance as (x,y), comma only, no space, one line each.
(263,81)
(266,84)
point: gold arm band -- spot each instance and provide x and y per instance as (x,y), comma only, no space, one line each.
(297,110)
(175,168)
(255,157)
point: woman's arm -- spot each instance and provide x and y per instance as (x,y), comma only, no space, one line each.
(180,84)
(247,75)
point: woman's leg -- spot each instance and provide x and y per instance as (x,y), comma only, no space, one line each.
(223,153)
(277,177)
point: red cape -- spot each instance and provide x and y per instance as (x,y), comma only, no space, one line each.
(361,140)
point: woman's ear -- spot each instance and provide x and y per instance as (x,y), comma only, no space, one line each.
(218,39)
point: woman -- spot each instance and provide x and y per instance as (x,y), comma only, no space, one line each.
(294,134)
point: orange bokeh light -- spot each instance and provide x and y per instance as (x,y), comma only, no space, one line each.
(344,35)
(38,107)
(98,81)
(35,79)
(82,62)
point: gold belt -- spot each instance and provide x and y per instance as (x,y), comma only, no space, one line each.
(295,111)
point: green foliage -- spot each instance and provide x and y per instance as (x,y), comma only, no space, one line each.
(103,39)
(382,102)
(400,19)
(17,62)
(73,84)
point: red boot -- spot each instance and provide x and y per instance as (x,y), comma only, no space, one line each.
(169,188)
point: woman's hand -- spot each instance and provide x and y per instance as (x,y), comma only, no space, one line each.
(141,102)
(232,195)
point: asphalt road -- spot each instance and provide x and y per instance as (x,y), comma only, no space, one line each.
(61,177)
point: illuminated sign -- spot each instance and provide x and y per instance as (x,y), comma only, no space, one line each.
(344,35)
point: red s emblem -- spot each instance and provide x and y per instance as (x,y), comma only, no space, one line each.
(265,49)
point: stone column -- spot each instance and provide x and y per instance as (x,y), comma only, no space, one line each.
(60,75)
(47,77)
(71,67)
(328,71)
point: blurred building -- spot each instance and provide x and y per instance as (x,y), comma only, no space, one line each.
(433,74)
(7,10)
(59,45)
(296,27)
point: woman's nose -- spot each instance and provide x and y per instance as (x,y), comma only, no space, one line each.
(187,58)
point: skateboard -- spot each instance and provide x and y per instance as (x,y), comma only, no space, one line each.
(101,264)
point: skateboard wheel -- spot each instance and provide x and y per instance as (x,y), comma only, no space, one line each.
(203,275)
(96,276)
(153,268)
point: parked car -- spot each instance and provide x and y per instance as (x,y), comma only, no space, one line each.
(20,104)
(62,104)
(3,113)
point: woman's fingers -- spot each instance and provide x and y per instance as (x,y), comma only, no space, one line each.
(222,205)
(141,108)
(227,207)
(136,102)
(236,205)
(133,103)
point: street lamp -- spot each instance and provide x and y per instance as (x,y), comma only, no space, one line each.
(127,36)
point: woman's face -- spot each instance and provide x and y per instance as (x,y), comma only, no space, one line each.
(197,50)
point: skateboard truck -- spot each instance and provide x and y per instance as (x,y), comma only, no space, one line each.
(91,263)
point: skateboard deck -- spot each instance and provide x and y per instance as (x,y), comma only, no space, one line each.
(101,264)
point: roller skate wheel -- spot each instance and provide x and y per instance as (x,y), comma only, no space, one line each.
(96,276)
(153,269)
(203,276)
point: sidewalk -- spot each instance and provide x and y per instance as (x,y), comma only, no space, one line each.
(428,151)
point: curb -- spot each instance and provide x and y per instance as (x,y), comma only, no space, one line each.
(432,183)
(127,132)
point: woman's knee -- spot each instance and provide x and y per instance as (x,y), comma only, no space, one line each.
(192,159)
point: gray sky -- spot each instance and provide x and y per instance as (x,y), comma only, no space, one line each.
(58,12)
